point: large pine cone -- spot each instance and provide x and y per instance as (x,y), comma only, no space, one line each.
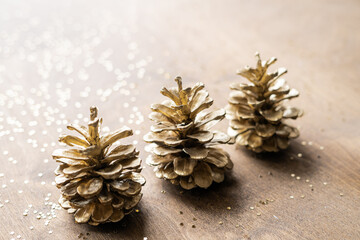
(182,146)
(99,182)
(256,112)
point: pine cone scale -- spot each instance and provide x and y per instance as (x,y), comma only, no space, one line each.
(113,137)
(116,216)
(184,166)
(265,130)
(156,160)
(101,213)
(202,136)
(187,183)
(83,215)
(203,175)
(74,141)
(110,172)
(74,154)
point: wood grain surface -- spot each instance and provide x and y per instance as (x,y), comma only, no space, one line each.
(57,58)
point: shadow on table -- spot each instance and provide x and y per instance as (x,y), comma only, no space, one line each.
(132,226)
(297,159)
(217,197)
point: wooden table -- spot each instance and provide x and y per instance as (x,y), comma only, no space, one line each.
(57,58)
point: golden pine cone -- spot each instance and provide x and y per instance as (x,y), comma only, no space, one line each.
(256,112)
(99,182)
(182,146)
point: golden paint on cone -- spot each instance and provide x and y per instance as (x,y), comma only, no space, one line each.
(256,112)
(99,182)
(182,145)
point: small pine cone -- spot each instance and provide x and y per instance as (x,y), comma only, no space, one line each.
(181,144)
(99,182)
(256,112)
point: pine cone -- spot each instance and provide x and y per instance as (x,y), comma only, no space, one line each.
(98,182)
(182,146)
(256,112)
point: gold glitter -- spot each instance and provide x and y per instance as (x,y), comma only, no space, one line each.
(220,223)
(258,214)
(228,208)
